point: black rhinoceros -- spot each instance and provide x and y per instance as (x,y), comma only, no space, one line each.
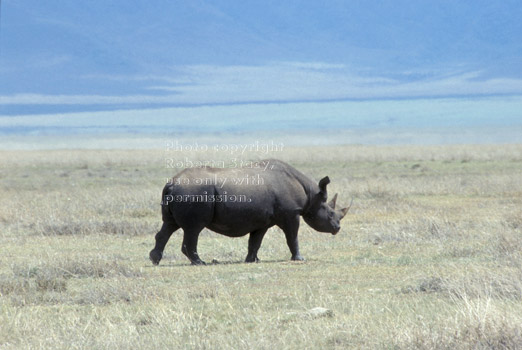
(238,201)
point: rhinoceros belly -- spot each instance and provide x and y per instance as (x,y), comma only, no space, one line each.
(239,219)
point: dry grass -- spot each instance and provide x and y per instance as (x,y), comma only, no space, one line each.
(429,258)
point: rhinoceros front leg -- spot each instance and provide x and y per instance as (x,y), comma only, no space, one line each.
(162,237)
(189,247)
(290,228)
(254,242)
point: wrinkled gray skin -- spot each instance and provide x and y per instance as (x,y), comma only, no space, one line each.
(281,196)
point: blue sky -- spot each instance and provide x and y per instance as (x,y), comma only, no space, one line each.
(62,55)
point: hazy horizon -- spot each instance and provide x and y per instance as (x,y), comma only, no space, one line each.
(422,121)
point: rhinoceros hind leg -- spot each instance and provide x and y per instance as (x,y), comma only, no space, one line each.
(189,246)
(162,237)
(254,242)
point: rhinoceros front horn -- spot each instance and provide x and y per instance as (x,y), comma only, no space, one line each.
(333,201)
(345,210)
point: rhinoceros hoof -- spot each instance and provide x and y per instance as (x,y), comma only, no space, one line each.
(250,259)
(298,258)
(198,262)
(155,256)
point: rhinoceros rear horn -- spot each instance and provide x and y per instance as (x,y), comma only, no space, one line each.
(322,184)
(333,201)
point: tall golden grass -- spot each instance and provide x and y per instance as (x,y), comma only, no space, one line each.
(430,256)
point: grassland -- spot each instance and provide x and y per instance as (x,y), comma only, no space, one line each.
(430,257)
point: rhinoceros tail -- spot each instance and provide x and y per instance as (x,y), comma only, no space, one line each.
(166,200)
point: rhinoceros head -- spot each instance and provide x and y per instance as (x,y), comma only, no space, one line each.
(323,216)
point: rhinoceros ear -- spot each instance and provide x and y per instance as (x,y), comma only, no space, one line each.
(333,201)
(322,184)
